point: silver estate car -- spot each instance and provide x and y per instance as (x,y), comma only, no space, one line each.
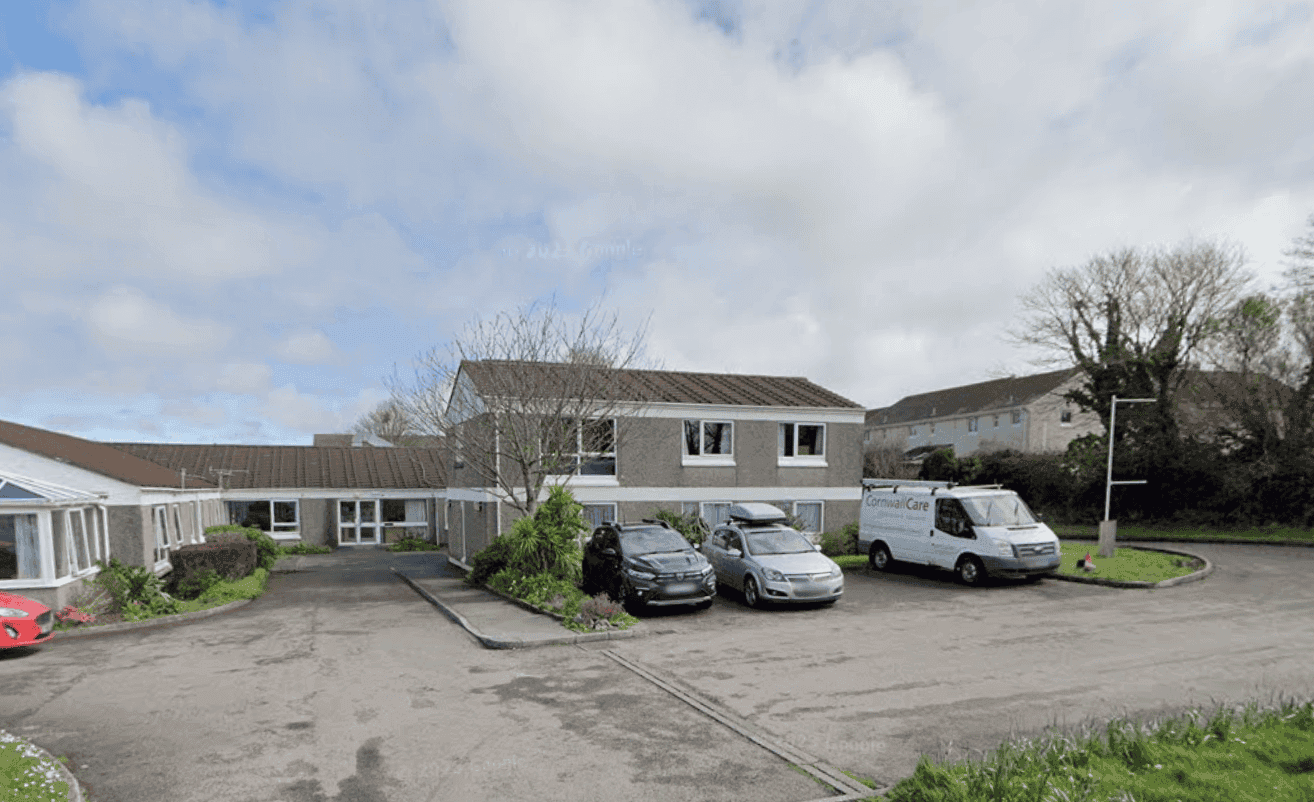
(756,552)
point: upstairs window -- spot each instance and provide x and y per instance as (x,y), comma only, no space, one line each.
(708,442)
(802,444)
(587,450)
(1017,417)
(972,424)
(1065,417)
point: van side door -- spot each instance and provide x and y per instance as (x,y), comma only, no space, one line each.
(952,533)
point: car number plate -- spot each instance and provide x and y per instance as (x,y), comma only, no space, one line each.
(681,587)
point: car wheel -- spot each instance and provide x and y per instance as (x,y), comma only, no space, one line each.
(751,595)
(879,558)
(970,571)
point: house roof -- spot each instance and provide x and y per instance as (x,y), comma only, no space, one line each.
(286,467)
(662,386)
(996,394)
(95,457)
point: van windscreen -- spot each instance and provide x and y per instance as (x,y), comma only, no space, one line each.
(1002,509)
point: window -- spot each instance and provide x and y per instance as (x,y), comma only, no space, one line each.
(596,514)
(802,444)
(932,428)
(715,513)
(404,517)
(161,535)
(996,421)
(912,431)
(20,547)
(951,518)
(708,441)
(809,514)
(588,450)
(266,515)
(972,424)
(1065,417)
(1017,417)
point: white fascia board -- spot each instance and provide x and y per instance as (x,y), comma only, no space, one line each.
(472,494)
(174,495)
(589,495)
(290,493)
(733,412)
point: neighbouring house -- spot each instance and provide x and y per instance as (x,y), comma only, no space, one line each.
(336,495)
(692,443)
(66,502)
(1022,413)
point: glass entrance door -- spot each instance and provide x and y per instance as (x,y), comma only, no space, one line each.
(358,522)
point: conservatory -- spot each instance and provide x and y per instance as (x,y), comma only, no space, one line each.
(50,538)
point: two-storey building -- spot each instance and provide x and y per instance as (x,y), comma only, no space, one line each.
(683,441)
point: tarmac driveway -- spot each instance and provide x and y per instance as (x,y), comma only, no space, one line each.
(342,685)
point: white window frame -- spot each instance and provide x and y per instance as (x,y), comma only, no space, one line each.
(807,461)
(1017,417)
(580,456)
(973,424)
(1065,417)
(285,531)
(700,458)
(160,524)
(821,513)
(705,506)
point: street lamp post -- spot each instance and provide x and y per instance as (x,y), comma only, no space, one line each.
(1108,528)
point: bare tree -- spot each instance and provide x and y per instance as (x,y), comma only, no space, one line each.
(1134,320)
(530,397)
(1300,270)
(388,420)
(886,462)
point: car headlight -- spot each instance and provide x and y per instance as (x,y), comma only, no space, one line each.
(836,571)
(773,575)
(707,569)
(10,612)
(1005,548)
(637,574)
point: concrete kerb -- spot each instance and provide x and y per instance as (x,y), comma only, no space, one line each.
(74,787)
(1194,576)
(162,621)
(491,642)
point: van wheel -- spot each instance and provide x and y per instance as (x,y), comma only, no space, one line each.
(879,557)
(751,597)
(970,571)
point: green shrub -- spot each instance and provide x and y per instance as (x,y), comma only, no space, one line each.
(845,541)
(248,588)
(547,543)
(413,544)
(266,547)
(198,583)
(304,548)
(490,561)
(137,592)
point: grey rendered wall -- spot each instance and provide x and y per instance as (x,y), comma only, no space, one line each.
(650,456)
(316,525)
(131,539)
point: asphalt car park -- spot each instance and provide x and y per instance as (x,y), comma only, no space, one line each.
(342,684)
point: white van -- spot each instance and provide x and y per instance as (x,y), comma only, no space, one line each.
(972,531)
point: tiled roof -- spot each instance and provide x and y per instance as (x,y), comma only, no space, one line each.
(274,467)
(95,457)
(996,394)
(663,386)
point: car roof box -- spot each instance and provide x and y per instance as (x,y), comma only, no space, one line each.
(756,512)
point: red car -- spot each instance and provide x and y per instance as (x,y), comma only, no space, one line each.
(25,622)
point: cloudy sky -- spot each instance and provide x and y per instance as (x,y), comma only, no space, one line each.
(231,222)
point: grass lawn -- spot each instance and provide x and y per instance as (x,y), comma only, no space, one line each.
(1257,534)
(1246,755)
(1126,565)
(26,775)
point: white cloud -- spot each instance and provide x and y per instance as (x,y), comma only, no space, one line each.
(242,378)
(125,319)
(306,347)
